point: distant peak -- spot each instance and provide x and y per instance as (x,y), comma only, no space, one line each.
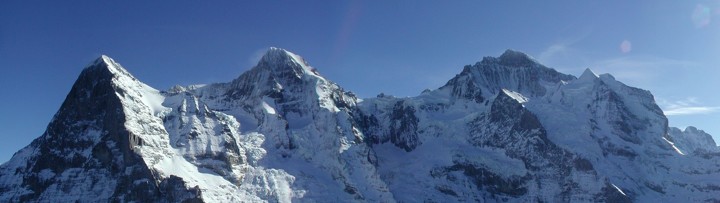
(607,77)
(588,75)
(513,58)
(276,50)
(691,129)
(513,53)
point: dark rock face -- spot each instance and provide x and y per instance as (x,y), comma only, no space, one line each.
(483,180)
(175,190)
(96,149)
(516,125)
(399,126)
(403,127)
(511,127)
(463,86)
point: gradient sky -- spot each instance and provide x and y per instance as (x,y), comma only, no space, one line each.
(368,47)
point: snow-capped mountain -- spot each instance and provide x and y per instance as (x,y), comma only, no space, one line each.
(505,129)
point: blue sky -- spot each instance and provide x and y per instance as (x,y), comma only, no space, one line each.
(396,47)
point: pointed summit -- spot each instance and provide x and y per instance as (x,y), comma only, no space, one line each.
(96,134)
(277,71)
(104,66)
(281,61)
(513,70)
(275,54)
(588,75)
(106,76)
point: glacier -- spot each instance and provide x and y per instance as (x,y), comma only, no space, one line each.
(505,129)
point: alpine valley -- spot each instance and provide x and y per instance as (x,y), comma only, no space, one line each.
(506,129)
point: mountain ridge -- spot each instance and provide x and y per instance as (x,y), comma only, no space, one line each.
(505,129)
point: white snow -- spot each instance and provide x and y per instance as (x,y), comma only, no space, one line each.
(619,190)
(153,99)
(46,174)
(269,109)
(516,96)
(309,70)
(673,146)
(214,188)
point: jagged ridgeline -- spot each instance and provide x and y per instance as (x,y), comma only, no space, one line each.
(504,129)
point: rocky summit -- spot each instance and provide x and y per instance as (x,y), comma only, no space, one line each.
(506,129)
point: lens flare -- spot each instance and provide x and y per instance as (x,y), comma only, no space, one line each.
(625,46)
(701,16)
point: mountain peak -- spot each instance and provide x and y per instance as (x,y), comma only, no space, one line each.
(277,71)
(101,60)
(588,75)
(105,63)
(274,53)
(279,60)
(280,56)
(516,58)
(513,70)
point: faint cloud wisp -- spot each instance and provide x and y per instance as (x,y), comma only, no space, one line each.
(552,51)
(692,110)
(563,48)
(256,56)
(641,70)
(688,106)
(563,56)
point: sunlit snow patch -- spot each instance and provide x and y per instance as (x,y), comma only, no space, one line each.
(214,187)
(673,145)
(269,109)
(153,99)
(618,189)
(516,96)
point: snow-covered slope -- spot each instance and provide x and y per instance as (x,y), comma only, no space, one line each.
(504,129)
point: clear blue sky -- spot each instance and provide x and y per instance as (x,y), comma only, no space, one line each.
(396,47)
